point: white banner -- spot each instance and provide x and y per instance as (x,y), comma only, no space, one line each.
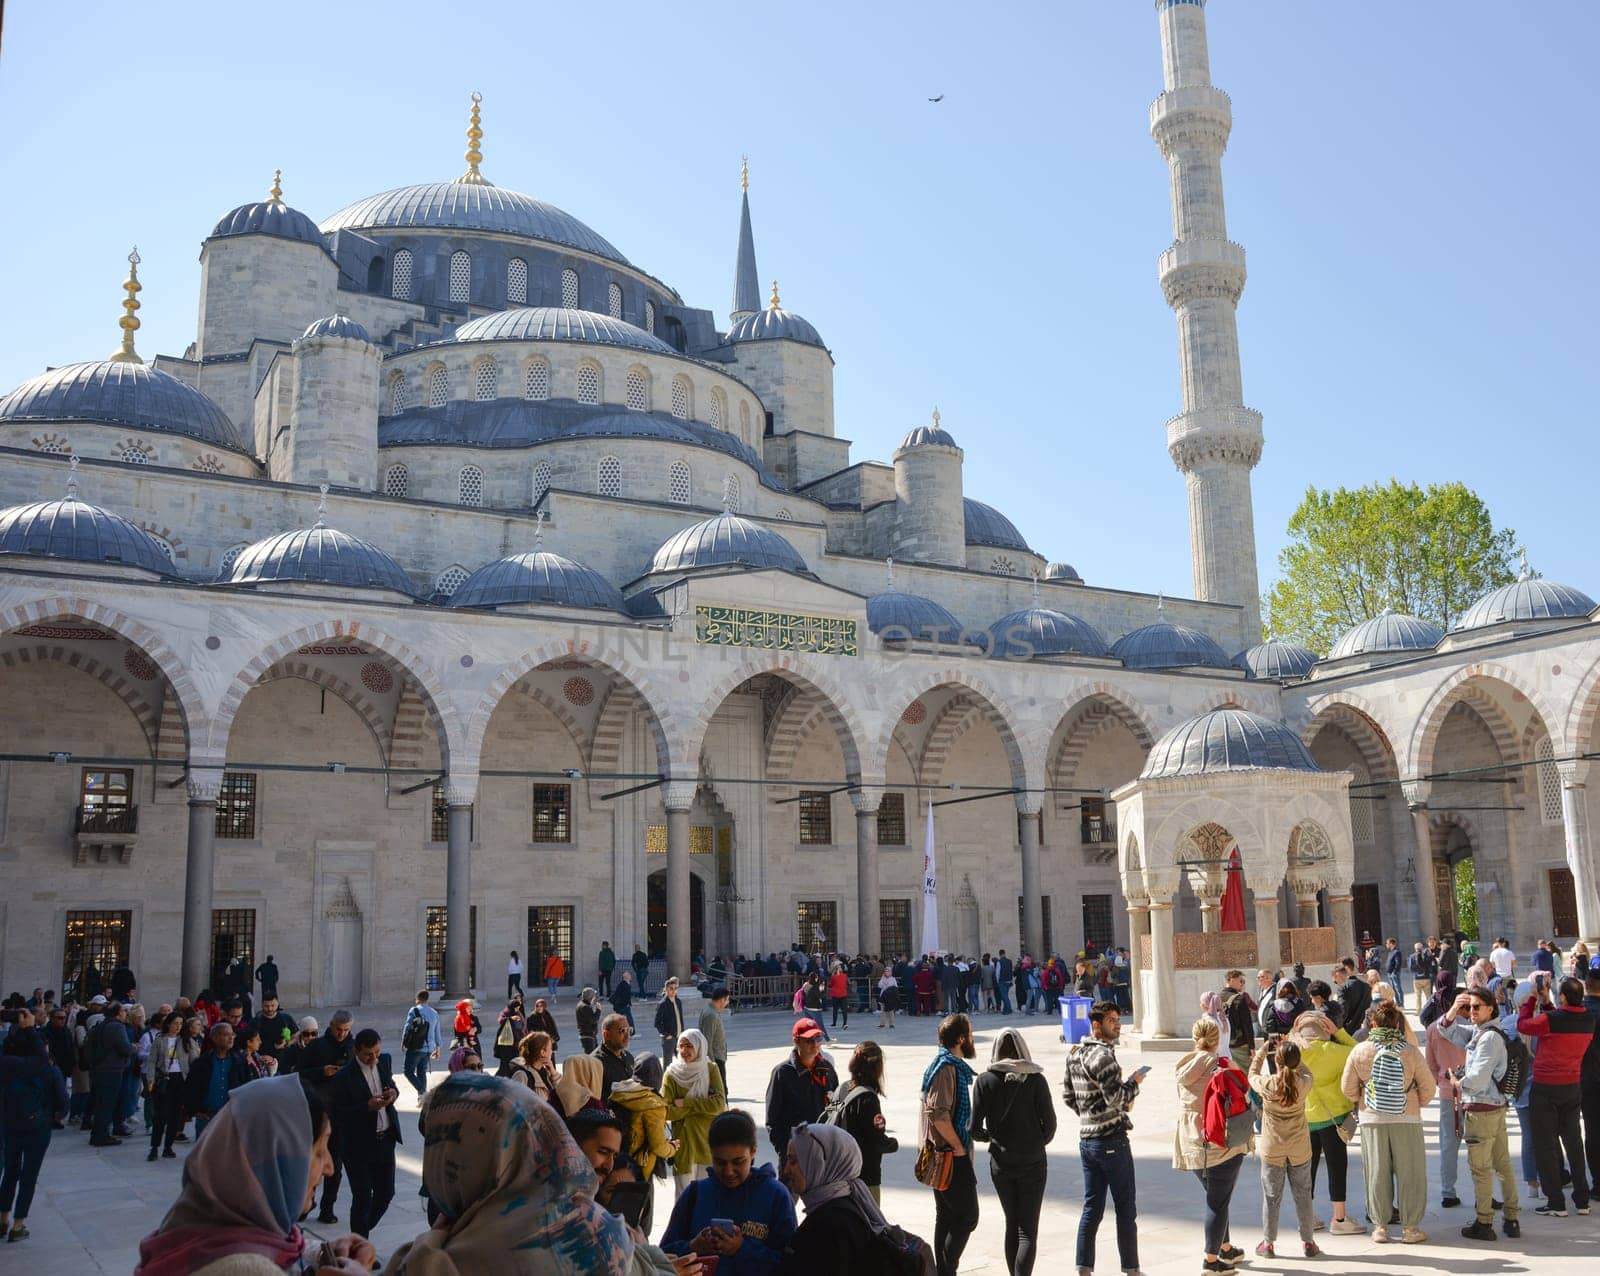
(930,891)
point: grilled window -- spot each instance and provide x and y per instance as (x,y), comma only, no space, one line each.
(1001,565)
(588,383)
(650,317)
(1097,921)
(399,399)
(569,289)
(460,276)
(614,300)
(400,280)
(396,481)
(715,410)
(233,937)
(450,580)
(485,378)
(681,400)
(552,813)
(517,282)
(536,383)
(816,818)
(435,934)
(894,928)
(470,485)
(236,805)
(733,493)
(608,476)
(892,819)
(438,388)
(541,480)
(678,488)
(817,924)
(1549,781)
(94,937)
(550,933)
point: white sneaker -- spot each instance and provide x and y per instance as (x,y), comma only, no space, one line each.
(1346,1227)
(1380,1234)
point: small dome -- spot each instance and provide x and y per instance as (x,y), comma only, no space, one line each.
(1041,631)
(319,554)
(132,394)
(724,540)
(1227,740)
(1168,646)
(1390,632)
(989,527)
(893,615)
(1531,599)
(772,324)
(338,326)
(555,323)
(1063,572)
(80,533)
(269,217)
(1275,661)
(539,577)
(927,436)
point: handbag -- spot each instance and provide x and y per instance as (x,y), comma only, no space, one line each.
(934,1167)
(1346,1129)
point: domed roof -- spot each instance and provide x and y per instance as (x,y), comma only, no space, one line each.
(893,614)
(269,217)
(726,539)
(555,323)
(1390,632)
(1226,740)
(1164,645)
(1042,631)
(539,577)
(1276,660)
(927,436)
(772,324)
(338,326)
(988,526)
(1063,571)
(1530,599)
(82,533)
(131,394)
(470,206)
(320,554)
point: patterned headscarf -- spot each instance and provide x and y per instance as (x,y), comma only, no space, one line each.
(516,1193)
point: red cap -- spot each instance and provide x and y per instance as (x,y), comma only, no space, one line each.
(807,1029)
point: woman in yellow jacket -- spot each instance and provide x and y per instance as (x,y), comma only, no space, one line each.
(1324,1046)
(692,1090)
(1216,1168)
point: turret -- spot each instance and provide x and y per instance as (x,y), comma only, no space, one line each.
(929,519)
(333,417)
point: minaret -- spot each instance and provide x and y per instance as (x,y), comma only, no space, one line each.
(746,285)
(1215,441)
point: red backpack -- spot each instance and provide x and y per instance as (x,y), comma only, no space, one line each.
(1226,1119)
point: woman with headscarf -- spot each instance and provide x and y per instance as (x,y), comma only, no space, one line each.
(822,1167)
(578,1087)
(509,1031)
(693,1092)
(248,1179)
(465,1060)
(515,1193)
(1013,1114)
(1211,1008)
(1444,996)
(588,1012)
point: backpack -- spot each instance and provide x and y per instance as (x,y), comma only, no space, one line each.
(26,1110)
(833,1113)
(1386,1088)
(1518,1063)
(903,1253)
(1226,1117)
(414,1036)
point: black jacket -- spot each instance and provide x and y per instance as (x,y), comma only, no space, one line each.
(545,1022)
(621,996)
(1241,1020)
(836,1239)
(348,1096)
(860,1122)
(122,983)
(613,1067)
(588,1017)
(198,1084)
(1013,1114)
(669,1019)
(1354,998)
(272,1030)
(321,1053)
(267,976)
(794,1097)
(107,1047)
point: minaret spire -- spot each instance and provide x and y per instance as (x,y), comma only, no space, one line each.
(129,323)
(1215,441)
(746,282)
(474,155)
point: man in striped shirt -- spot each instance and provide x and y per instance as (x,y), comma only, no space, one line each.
(1098,1093)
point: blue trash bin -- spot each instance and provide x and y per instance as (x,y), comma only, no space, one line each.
(1075,1018)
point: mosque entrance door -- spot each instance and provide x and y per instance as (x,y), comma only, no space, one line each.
(656,916)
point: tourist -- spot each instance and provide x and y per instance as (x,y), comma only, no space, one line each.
(839,994)
(107,1051)
(588,1013)
(1444,996)
(1382,991)
(419,1038)
(369,1129)
(466,1027)
(245,1185)
(925,987)
(215,1075)
(606,962)
(947,1125)
(738,1190)
(988,1001)
(640,961)
(839,1234)
(535,1067)
(123,982)
(1004,974)
(598,1135)
(166,1072)
(715,1034)
(582,1084)
(1502,958)
(1241,1009)
(1424,966)
(555,974)
(1445,1059)
(1354,996)
(33,1098)
(541,1020)
(267,977)
(323,1060)
(510,1028)
(277,1029)
(1390,1081)
(669,1017)
(808,1002)
(694,1095)
(800,1086)
(1285,1144)
(516,1194)
(1484,1115)
(1589,1081)
(513,975)
(1506,1008)
(1193,1147)
(292,1056)
(1096,1090)
(1564,1032)
(256,1064)
(889,999)
(1330,1116)
(638,1105)
(1013,1114)
(857,1109)
(616,1060)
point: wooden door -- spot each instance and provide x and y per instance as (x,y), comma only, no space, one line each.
(1563,903)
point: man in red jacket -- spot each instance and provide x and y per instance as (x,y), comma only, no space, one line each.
(1554,1103)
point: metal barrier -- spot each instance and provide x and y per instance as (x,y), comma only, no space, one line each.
(762,992)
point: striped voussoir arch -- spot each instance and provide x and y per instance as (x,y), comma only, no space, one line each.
(172,744)
(130,692)
(377,720)
(561,713)
(1474,684)
(408,739)
(809,680)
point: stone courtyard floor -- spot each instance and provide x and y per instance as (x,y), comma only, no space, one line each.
(93,1205)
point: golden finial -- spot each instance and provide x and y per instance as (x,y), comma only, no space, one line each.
(744,172)
(275,195)
(472,177)
(936,418)
(129,323)
(322,505)
(774,302)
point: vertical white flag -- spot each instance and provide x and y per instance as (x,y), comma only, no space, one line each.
(930,891)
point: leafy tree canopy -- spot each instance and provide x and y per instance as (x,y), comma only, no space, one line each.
(1429,552)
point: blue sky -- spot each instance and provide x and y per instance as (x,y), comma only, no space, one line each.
(1414,184)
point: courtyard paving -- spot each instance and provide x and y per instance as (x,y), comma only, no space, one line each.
(93,1205)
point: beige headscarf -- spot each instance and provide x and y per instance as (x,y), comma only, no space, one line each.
(581,1078)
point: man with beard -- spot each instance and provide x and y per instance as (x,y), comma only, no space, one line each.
(1097,1091)
(947,1124)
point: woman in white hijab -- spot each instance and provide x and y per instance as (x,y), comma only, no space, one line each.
(839,1233)
(693,1092)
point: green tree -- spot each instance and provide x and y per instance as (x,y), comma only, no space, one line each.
(1429,552)
(1465,880)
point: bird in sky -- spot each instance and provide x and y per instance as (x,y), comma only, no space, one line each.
(940,98)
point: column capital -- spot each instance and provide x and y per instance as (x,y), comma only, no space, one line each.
(204,783)
(1574,774)
(868,798)
(1416,793)
(1305,887)
(677,794)
(1160,905)
(460,788)
(1029,802)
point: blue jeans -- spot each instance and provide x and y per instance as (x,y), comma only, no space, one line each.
(550,987)
(1449,1145)
(24,1156)
(1108,1165)
(417,1069)
(1530,1164)
(1003,992)
(1219,1182)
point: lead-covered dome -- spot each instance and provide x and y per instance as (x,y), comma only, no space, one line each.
(927,436)
(320,555)
(557,323)
(1064,572)
(538,577)
(1043,631)
(1530,599)
(726,540)
(1226,740)
(894,615)
(1390,633)
(470,206)
(987,526)
(338,326)
(131,394)
(774,324)
(81,533)
(1275,660)
(1164,645)
(269,217)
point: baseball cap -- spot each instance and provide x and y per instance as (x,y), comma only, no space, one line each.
(807,1029)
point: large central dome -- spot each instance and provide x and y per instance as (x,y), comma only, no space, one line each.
(469,206)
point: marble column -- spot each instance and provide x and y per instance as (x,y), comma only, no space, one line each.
(1028,806)
(1427,894)
(1138,928)
(1580,855)
(678,798)
(199,873)
(1268,949)
(1305,900)
(1210,883)
(868,939)
(1342,910)
(1162,1013)
(458,796)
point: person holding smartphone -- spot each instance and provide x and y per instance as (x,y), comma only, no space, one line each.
(363,1095)
(1097,1091)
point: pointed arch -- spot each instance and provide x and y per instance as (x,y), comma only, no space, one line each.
(1353,722)
(360,704)
(112,678)
(1579,726)
(1475,684)
(1023,752)
(1098,707)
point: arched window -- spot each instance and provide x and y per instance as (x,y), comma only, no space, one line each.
(608,476)
(614,300)
(450,580)
(399,396)
(396,481)
(1360,807)
(229,558)
(569,288)
(682,399)
(678,491)
(400,277)
(588,383)
(460,276)
(715,411)
(438,387)
(536,381)
(517,282)
(1000,565)
(208,464)
(786,516)
(650,317)
(133,454)
(471,485)
(53,443)
(1549,781)
(733,493)
(485,376)
(541,480)
(638,390)
(744,422)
